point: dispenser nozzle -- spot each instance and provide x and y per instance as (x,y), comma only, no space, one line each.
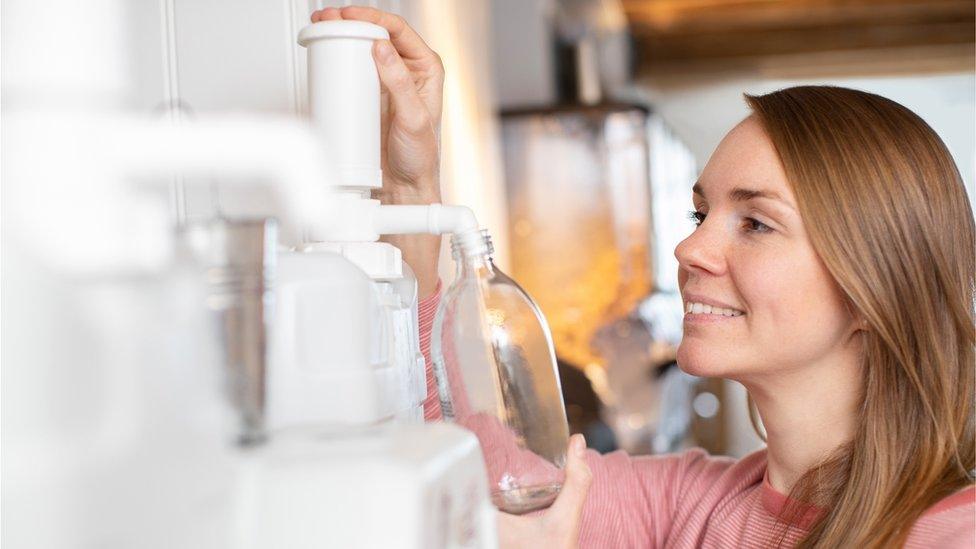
(432,219)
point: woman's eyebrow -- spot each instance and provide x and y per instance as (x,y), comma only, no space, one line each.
(741,194)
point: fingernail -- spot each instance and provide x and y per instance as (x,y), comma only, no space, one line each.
(384,50)
(579,445)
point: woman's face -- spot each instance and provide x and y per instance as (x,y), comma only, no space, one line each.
(760,299)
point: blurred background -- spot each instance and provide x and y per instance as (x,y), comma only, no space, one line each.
(575,130)
(601,101)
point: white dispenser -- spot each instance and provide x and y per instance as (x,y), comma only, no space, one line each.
(345,349)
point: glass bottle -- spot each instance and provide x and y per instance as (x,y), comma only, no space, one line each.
(496,375)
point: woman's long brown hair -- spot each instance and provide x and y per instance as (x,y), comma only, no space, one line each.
(886,210)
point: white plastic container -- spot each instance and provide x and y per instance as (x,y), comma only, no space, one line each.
(352,132)
(397,487)
(344,347)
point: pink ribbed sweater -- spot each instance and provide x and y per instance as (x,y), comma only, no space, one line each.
(696,500)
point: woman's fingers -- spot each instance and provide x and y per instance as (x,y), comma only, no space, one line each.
(569,505)
(407,41)
(422,61)
(410,112)
(515,532)
(404,38)
(327,14)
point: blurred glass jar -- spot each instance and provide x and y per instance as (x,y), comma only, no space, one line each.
(496,375)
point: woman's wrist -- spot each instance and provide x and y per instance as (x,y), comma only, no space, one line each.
(420,193)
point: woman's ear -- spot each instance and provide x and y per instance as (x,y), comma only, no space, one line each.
(858,322)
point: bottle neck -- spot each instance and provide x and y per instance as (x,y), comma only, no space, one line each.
(481,263)
(472,252)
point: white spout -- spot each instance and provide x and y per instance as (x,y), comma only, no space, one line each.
(433,219)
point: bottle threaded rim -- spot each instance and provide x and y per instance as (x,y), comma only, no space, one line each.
(472,244)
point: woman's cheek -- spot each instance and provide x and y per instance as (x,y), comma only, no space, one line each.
(799,314)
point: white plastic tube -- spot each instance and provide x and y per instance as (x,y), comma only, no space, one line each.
(433,219)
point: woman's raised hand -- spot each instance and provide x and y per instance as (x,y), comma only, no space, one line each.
(412,78)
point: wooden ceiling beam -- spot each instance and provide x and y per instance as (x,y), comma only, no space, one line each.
(671,33)
(719,45)
(665,16)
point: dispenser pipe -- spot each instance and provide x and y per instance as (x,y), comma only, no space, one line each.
(433,219)
(288,153)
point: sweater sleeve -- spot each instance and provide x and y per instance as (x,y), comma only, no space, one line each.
(426,310)
(632,501)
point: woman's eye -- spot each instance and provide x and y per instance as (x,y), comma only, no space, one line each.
(755,226)
(696,217)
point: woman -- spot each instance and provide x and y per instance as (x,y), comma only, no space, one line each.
(831,273)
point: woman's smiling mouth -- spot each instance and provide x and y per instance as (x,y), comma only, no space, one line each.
(696,308)
(703,309)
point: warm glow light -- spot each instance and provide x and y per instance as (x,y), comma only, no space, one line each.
(470,159)
(581,186)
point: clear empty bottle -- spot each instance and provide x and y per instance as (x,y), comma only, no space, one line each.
(496,375)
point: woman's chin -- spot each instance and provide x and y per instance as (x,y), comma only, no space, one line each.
(701,362)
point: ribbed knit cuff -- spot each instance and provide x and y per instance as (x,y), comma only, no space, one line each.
(426,311)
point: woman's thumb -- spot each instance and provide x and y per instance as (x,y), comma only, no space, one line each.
(569,504)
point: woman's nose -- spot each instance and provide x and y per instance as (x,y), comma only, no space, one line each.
(701,252)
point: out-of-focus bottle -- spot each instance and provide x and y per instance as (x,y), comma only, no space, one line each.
(496,375)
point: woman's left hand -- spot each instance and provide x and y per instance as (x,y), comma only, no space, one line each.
(559,526)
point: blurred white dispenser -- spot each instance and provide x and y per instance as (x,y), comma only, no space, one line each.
(345,376)
(120,436)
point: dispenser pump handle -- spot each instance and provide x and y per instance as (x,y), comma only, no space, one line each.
(344,97)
